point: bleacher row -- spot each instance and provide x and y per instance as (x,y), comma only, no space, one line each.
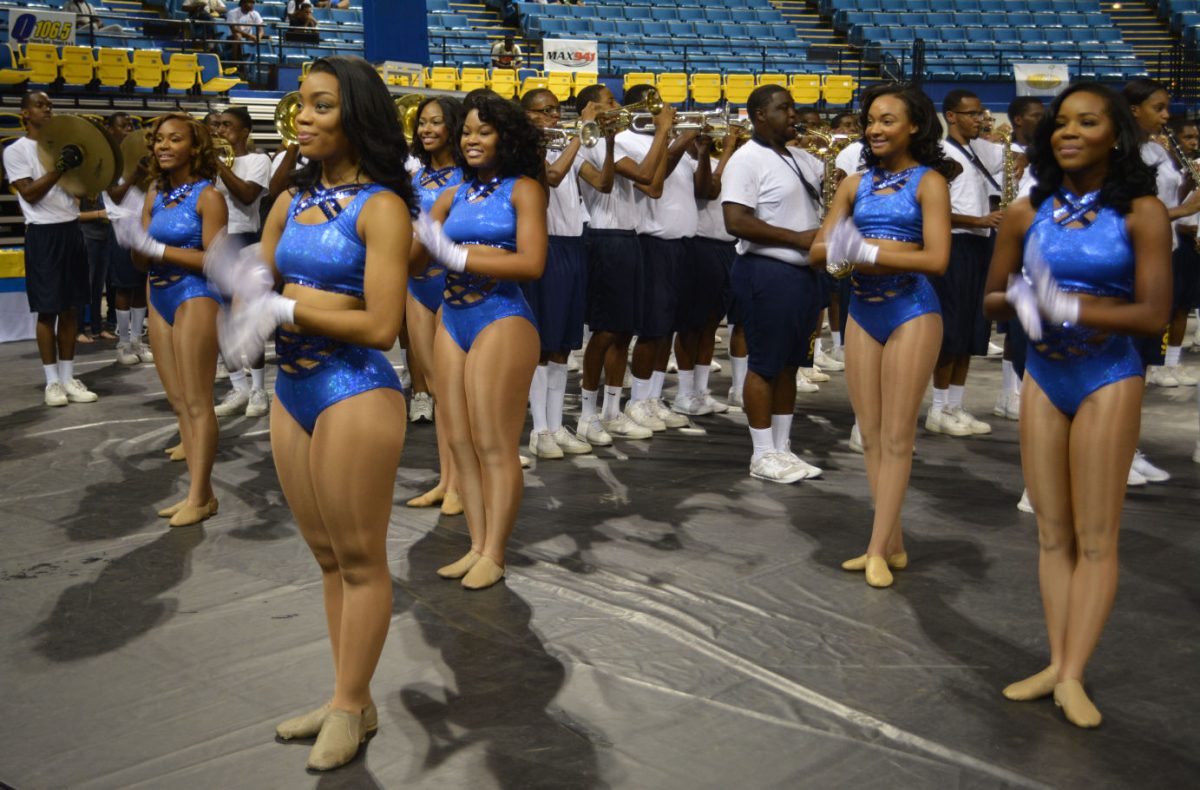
(829,8)
(112,69)
(1183,17)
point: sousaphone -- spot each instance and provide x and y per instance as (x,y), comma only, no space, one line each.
(101,158)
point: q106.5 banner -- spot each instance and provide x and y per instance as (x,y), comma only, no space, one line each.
(40,26)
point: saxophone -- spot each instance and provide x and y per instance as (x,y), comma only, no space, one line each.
(1187,163)
(1008,188)
(827,147)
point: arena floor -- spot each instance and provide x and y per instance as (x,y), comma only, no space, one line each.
(667,621)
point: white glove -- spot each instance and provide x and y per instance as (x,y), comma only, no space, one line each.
(132,236)
(246,327)
(412,165)
(1021,296)
(441,247)
(1056,304)
(846,246)
(236,271)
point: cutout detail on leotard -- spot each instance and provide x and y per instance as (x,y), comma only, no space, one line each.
(303,353)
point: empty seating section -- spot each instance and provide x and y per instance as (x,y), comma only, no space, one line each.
(980,39)
(1183,17)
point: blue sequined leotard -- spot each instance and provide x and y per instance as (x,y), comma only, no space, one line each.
(428,185)
(175,222)
(881,302)
(1070,362)
(316,372)
(481,214)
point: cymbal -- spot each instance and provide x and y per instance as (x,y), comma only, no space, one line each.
(101,159)
(135,148)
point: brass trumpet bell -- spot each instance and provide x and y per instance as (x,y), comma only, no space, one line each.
(101,157)
(619,119)
(406,109)
(559,137)
(224,151)
(285,118)
(135,150)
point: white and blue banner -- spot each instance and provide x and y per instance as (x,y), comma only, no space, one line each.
(40,26)
(569,54)
(1040,79)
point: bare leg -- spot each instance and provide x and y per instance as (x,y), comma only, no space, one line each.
(616,360)
(593,359)
(645,353)
(194,341)
(737,342)
(1178,328)
(864,358)
(422,327)
(46,342)
(163,347)
(450,362)
(68,326)
(418,365)
(758,395)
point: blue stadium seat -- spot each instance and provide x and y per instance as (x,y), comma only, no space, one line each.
(627,28)
(718,15)
(633,11)
(664,13)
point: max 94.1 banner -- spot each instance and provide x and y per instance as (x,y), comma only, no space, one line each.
(569,54)
(40,26)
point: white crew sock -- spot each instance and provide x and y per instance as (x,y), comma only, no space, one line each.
(66,370)
(1173,352)
(612,403)
(238,379)
(700,379)
(587,404)
(657,379)
(837,339)
(817,347)
(258,378)
(763,443)
(955,396)
(641,390)
(51,372)
(537,398)
(556,392)
(123,326)
(939,399)
(1009,376)
(687,379)
(137,322)
(781,431)
(739,365)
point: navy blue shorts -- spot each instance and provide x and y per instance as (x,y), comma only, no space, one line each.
(56,267)
(705,281)
(662,263)
(781,303)
(559,296)
(1152,350)
(614,281)
(1185,268)
(960,293)
(837,291)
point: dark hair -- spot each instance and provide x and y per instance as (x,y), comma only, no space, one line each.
(1019,105)
(528,98)
(837,119)
(760,97)
(925,146)
(1128,176)
(452,113)
(589,94)
(27,98)
(955,98)
(1137,91)
(371,124)
(242,114)
(203,158)
(1179,124)
(521,150)
(111,120)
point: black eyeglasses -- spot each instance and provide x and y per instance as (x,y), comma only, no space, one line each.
(970,113)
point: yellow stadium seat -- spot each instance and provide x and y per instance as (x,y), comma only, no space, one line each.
(182,71)
(773,79)
(443,78)
(11,72)
(559,83)
(582,79)
(504,82)
(673,87)
(533,83)
(806,89)
(738,87)
(42,62)
(148,68)
(211,76)
(78,65)
(472,78)
(838,89)
(113,67)
(637,78)
(706,88)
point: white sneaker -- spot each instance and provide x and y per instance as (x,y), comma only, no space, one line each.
(626,428)
(591,431)
(803,384)
(669,418)
(713,405)
(734,399)
(421,408)
(943,422)
(815,375)
(234,402)
(856,439)
(643,413)
(777,468)
(1142,465)
(573,363)
(569,444)
(672,365)
(259,403)
(1135,478)
(838,353)
(143,351)
(405,377)
(1024,505)
(126,355)
(77,392)
(994,350)
(828,362)
(715,366)
(1180,374)
(1008,405)
(810,472)
(974,426)
(525,461)
(222,371)
(542,445)
(1196,453)
(690,403)
(55,394)
(1161,376)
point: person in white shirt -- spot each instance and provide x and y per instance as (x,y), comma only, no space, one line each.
(506,54)
(56,274)
(243,187)
(559,297)
(960,290)
(772,197)
(86,19)
(206,12)
(614,270)
(245,24)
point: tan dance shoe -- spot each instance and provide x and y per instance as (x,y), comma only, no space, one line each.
(483,574)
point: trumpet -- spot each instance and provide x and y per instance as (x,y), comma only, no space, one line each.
(704,122)
(559,137)
(406,108)
(728,129)
(285,118)
(224,151)
(621,118)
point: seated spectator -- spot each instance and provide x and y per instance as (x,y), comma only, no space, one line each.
(205,12)
(506,54)
(245,24)
(86,19)
(300,13)
(340,5)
